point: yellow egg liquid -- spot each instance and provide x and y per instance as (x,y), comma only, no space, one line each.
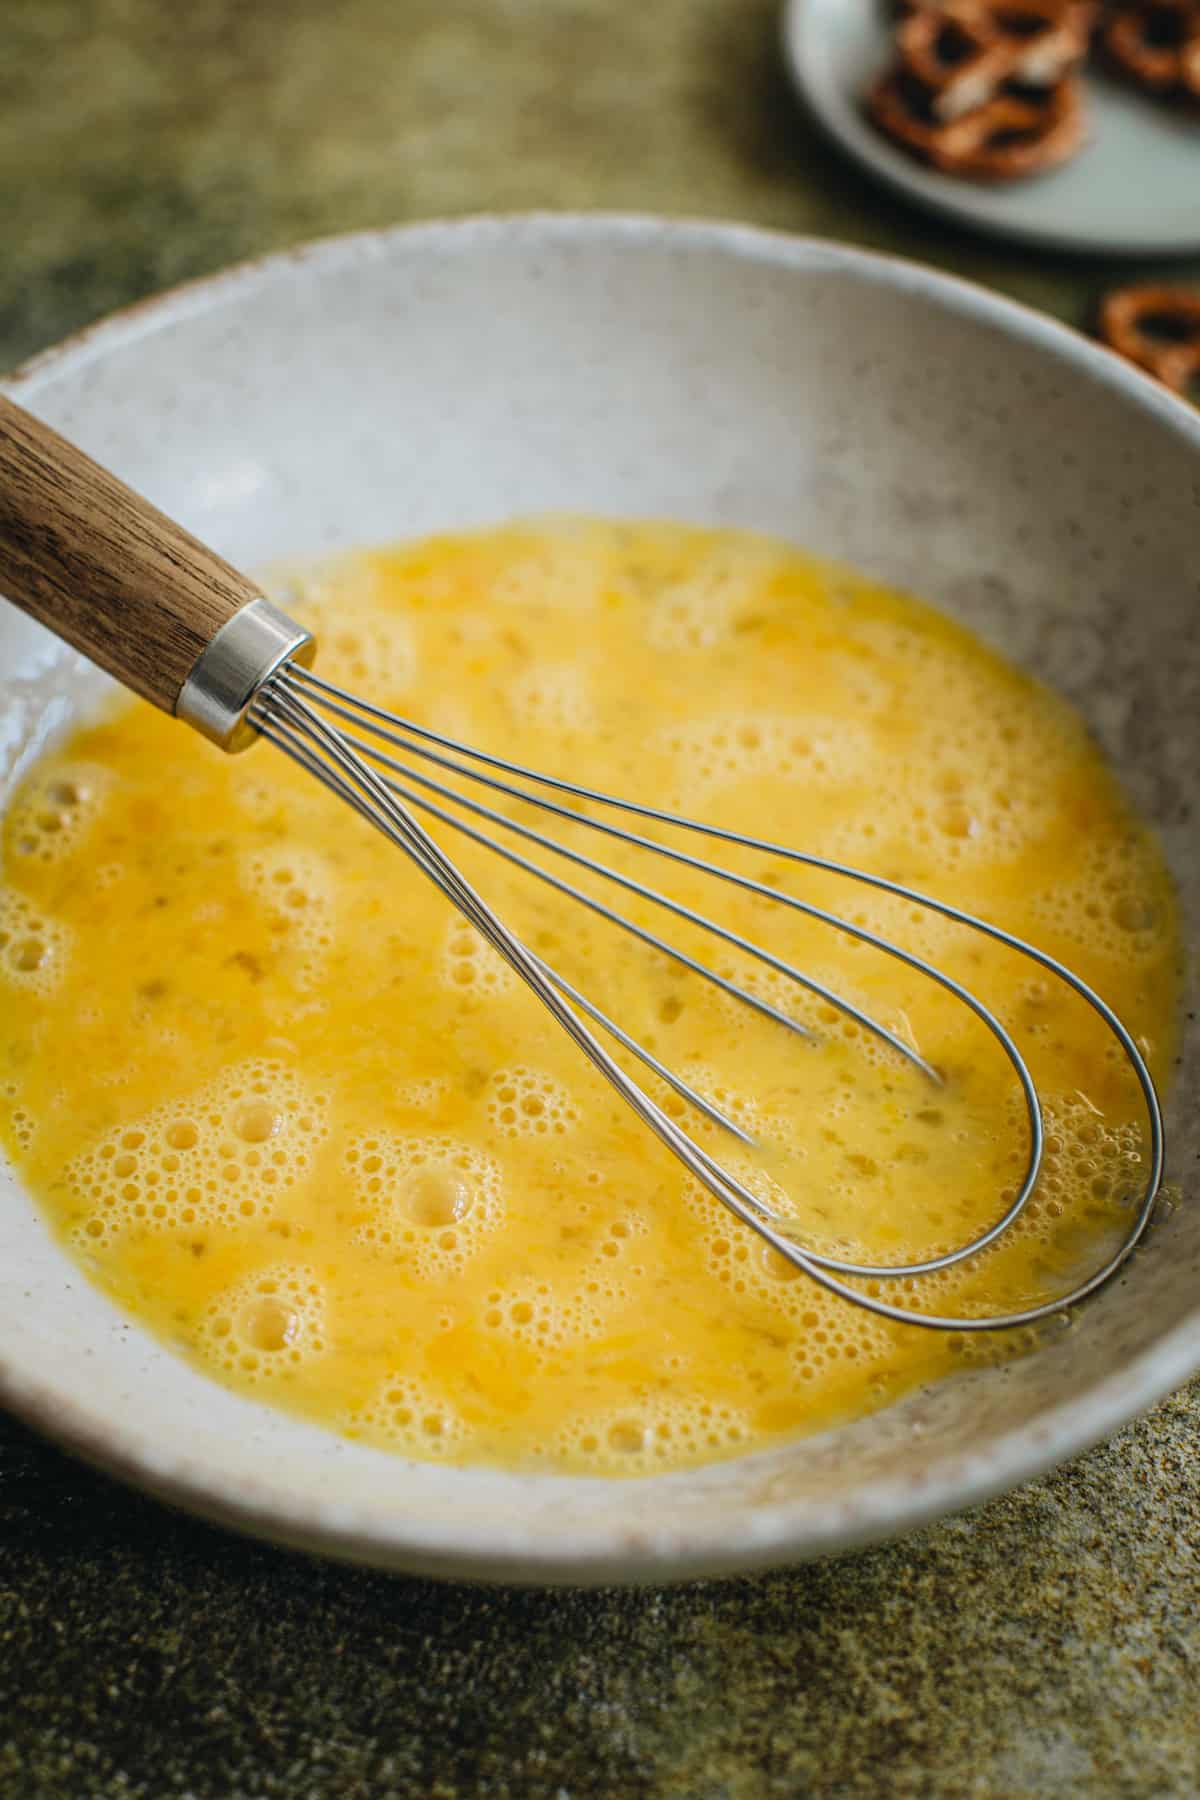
(293,1115)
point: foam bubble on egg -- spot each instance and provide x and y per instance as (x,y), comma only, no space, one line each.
(829,1337)
(921,930)
(559,575)
(1090,1166)
(21,1122)
(825,1019)
(742,1108)
(1103,907)
(766,983)
(470,967)
(750,1267)
(423,1095)
(655,1430)
(225,1155)
(700,610)
(541,1319)
(369,654)
(54,812)
(973,763)
(364,645)
(33,946)
(523,1102)
(108,875)
(712,752)
(406,1414)
(867,686)
(600,1272)
(258,791)
(267,1324)
(297,887)
(895,641)
(428,1200)
(979,810)
(553,697)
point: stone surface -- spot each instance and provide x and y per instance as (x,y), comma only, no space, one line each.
(1047,1644)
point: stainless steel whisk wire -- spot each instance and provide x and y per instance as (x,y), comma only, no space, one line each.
(95,563)
(288,710)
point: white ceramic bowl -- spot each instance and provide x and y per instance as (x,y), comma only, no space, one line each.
(453,374)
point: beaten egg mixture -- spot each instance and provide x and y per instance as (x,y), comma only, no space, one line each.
(293,1114)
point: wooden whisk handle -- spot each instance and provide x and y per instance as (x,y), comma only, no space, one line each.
(104,569)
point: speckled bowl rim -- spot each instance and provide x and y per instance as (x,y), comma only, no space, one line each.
(787,1532)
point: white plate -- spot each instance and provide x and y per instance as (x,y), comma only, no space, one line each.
(1133,190)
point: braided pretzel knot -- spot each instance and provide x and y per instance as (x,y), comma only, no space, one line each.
(1011,135)
(1157,42)
(1159,329)
(964,51)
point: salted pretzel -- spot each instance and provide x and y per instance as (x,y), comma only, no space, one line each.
(964,51)
(1157,44)
(1017,133)
(1159,329)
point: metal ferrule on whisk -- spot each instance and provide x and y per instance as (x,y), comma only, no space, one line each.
(217,696)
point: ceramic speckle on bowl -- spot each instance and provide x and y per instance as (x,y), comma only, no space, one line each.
(937,437)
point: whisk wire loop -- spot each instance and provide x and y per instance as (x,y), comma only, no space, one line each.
(375,783)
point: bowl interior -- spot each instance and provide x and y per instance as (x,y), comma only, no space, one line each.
(376,387)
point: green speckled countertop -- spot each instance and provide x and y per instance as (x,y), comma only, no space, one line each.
(1048,1644)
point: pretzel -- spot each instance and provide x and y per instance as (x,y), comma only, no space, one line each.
(955,55)
(1158,328)
(1157,44)
(964,51)
(1189,65)
(1015,134)
(899,10)
(1047,39)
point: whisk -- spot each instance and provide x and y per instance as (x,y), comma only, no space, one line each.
(111,575)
